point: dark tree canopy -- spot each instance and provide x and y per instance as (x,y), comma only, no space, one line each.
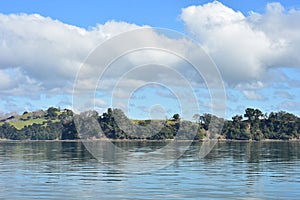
(114,124)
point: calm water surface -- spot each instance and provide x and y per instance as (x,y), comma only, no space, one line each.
(233,170)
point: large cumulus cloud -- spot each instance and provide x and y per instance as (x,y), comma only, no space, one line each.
(41,55)
(246,47)
(46,52)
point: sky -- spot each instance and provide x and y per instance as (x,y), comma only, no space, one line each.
(254,45)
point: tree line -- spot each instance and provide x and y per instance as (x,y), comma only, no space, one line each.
(114,124)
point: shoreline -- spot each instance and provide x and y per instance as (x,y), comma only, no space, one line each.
(145,140)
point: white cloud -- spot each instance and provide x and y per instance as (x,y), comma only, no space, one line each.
(47,51)
(253,95)
(283,94)
(46,55)
(253,85)
(289,105)
(100,102)
(6,81)
(245,47)
(15,82)
(42,55)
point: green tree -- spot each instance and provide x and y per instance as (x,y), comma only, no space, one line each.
(52,112)
(205,120)
(176,117)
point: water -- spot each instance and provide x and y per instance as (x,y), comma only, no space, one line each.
(233,170)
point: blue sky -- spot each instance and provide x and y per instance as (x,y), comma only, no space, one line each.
(261,71)
(154,13)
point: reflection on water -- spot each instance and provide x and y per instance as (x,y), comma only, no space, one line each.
(137,156)
(233,170)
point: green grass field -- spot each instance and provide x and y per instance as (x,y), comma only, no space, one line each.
(20,124)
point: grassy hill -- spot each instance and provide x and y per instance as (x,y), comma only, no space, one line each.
(30,118)
(21,124)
